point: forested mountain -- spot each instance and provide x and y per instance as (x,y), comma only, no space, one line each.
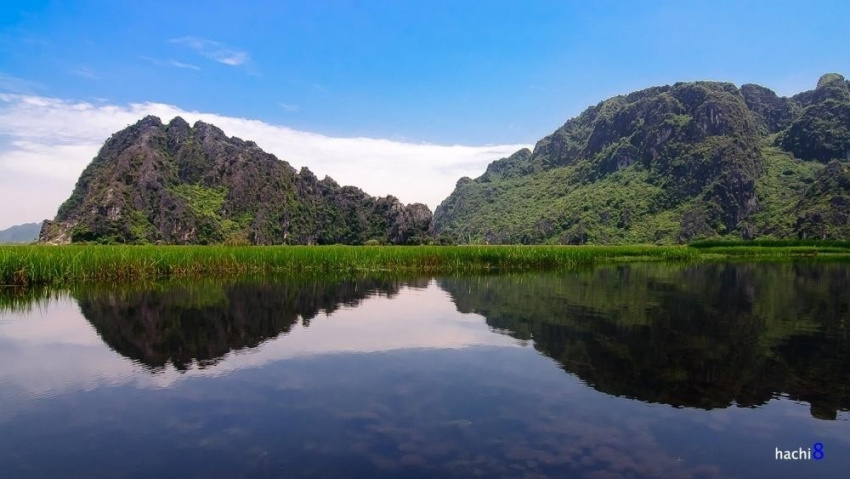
(671,164)
(182,184)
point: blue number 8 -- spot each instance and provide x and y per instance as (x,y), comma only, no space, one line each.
(818,455)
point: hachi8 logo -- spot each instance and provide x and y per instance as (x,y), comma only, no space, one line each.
(815,452)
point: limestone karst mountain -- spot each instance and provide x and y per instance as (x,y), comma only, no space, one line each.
(180,184)
(671,164)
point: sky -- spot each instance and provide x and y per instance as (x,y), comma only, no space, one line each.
(396,97)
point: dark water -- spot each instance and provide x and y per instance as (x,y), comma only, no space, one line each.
(633,371)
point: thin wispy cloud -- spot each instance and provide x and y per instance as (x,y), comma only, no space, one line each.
(289,107)
(85,72)
(214,50)
(46,142)
(171,63)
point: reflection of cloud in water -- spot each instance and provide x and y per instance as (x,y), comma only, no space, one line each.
(496,413)
(417,318)
(33,343)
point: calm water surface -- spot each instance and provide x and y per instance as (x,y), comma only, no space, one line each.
(670,371)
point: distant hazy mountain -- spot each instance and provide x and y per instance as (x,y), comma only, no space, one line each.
(25,233)
(671,164)
(176,183)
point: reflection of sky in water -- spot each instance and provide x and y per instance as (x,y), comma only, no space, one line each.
(32,344)
(400,387)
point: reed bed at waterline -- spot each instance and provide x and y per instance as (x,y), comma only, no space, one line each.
(30,265)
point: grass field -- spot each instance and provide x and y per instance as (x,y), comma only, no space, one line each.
(56,265)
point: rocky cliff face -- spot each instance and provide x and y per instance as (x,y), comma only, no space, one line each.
(182,184)
(823,212)
(821,131)
(665,164)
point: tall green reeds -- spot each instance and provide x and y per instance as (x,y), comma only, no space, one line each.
(31,265)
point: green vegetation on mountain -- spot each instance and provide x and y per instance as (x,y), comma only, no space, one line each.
(671,164)
(182,184)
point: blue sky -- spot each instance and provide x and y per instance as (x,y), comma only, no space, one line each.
(468,73)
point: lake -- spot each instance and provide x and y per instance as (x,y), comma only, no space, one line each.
(640,370)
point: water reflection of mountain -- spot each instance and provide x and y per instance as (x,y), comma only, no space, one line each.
(201,322)
(704,336)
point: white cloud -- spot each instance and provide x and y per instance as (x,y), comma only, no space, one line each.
(46,142)
(213,50)
(288,107)
(231,58)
